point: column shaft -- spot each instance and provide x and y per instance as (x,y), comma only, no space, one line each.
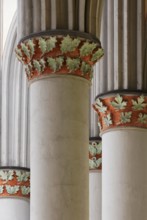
(59,150)
(123,124)
(14,209)
(124,174)
(95,195)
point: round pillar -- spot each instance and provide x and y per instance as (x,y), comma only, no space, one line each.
(58,140)
(59,68)
(14,193)
(123,123)
(95,179)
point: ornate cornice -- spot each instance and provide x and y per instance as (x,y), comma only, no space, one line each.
(121,110)
(14,182)
(95,155)
(45,55)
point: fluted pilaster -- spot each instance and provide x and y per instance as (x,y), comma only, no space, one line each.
(123,37)
(14,149)
(1,30)
(42,15)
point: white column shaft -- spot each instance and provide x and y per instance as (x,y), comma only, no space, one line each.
(59,148)
(14,209)
(124,174)
(95,195)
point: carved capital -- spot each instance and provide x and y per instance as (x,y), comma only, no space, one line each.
(95,155)
(14,182)
(121,110)
(58,54)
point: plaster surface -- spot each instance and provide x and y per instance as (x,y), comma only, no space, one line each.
(59,148)
(124,177)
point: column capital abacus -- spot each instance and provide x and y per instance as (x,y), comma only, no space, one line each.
(95,154)
(121,109)
(14,182)
(53,53)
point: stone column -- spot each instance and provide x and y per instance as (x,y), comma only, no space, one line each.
(14,193)
(59,69)
(123,124)
(95,179)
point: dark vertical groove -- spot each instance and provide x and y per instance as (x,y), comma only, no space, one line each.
(76,14)
(144,45)
(28,12)
(70,14)
(132,44)
(92,23)
(105,63)
(36,15)
(87,15)
(62,14)
(48,14)
(120,44)
(145,57)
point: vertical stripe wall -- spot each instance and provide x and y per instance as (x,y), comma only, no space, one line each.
(124,63)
